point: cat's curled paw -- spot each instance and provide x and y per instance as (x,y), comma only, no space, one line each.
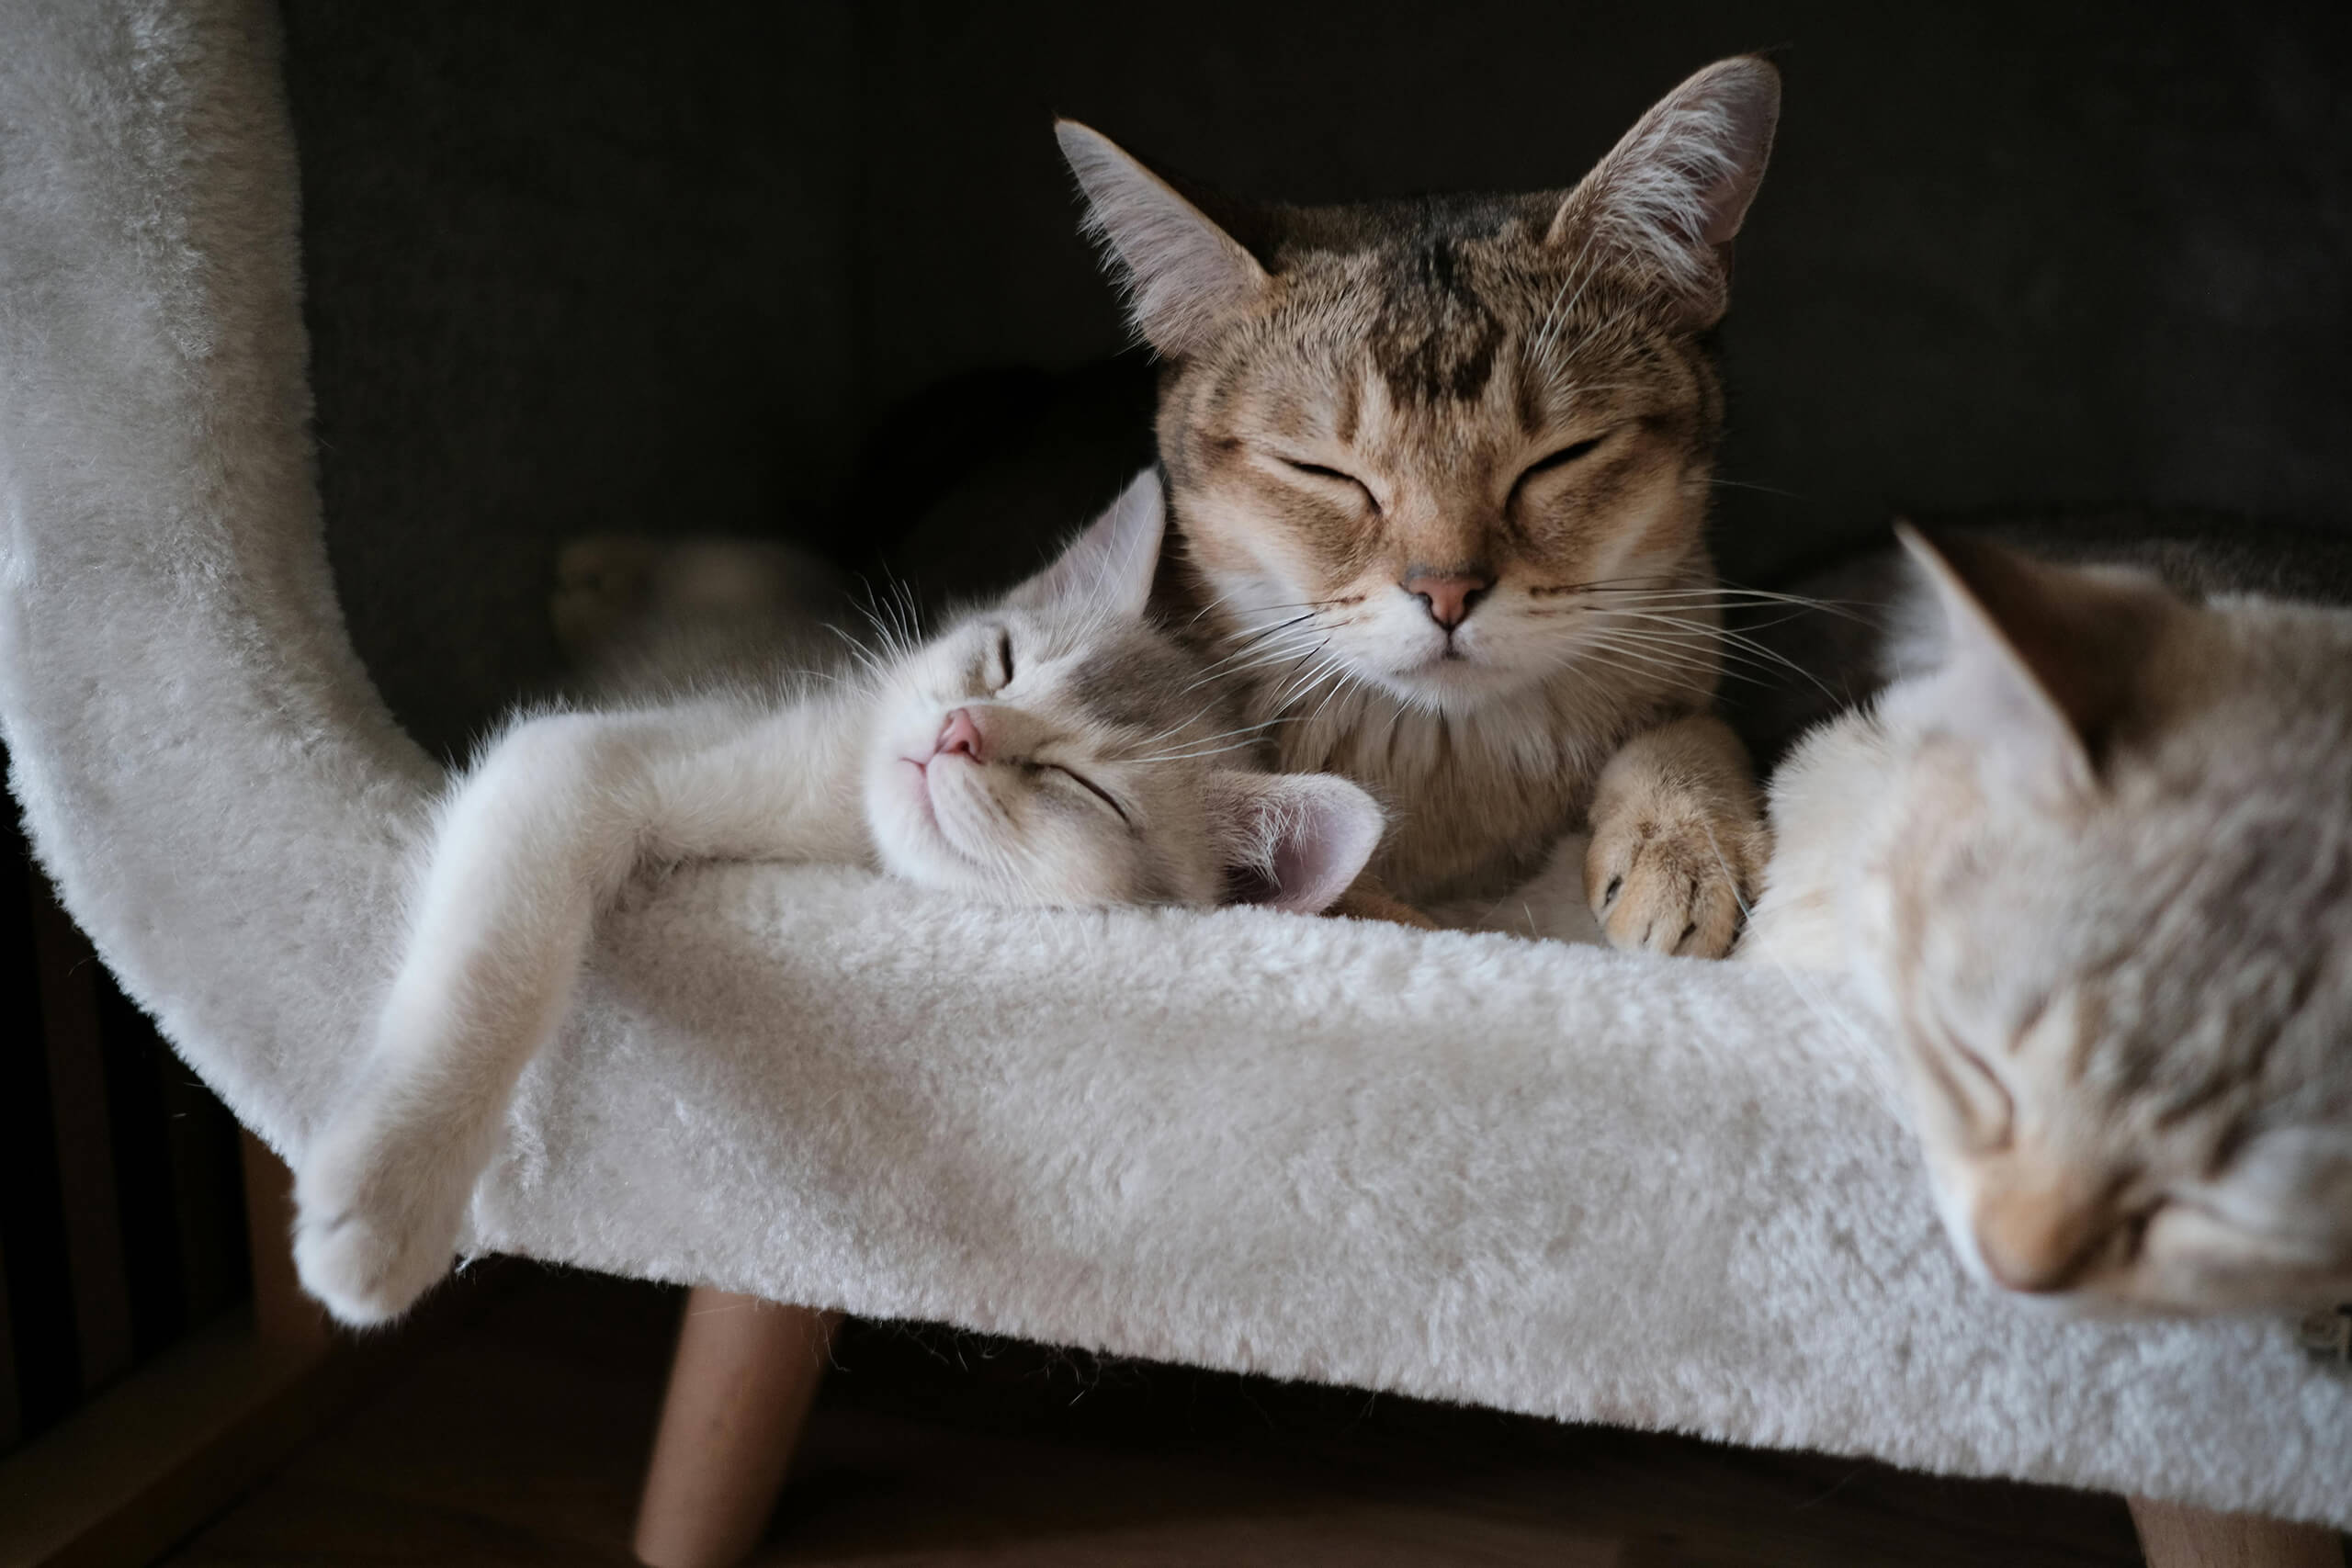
(1678,841)
(378,1207)
(1670,883)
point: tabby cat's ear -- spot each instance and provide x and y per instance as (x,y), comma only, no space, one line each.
(1184,275)
(1669,197)
(2041,663)
(1109,568)
(1292,841)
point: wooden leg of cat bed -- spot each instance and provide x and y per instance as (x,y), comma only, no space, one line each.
(2173,1534)
(745,1374)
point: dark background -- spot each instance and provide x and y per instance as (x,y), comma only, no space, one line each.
(122,1219)
(606,267)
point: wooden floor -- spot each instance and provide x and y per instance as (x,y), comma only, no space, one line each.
(520,1436)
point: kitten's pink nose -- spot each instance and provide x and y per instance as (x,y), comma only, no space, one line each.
(960,733)
(1451,596)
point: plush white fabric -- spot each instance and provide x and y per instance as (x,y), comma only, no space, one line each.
(1546,1179)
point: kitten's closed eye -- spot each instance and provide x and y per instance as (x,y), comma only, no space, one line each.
(1054,769)
(1005,661)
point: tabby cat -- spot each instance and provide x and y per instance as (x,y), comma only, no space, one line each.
(1440,470)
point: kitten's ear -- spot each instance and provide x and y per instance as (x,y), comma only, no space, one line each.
(1108,568)
(1292,841)
(1183,274)
(2041,662)
(1670,196)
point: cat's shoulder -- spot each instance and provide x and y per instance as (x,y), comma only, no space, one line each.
(1827,798)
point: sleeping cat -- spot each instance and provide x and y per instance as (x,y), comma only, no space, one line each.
(1440,469)
(2090,854)
(1052,749)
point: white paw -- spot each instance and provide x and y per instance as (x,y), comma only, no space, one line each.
(378,1207)
(1671,885)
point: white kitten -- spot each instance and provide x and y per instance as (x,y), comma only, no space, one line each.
(1054,749)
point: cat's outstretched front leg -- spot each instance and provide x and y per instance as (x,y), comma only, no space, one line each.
(529,850)
(529,847)
(1678,839)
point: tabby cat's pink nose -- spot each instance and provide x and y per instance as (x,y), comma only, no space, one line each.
(961,734)
(1449,598)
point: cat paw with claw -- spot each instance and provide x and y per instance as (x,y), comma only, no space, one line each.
(1671,885)
(378,1207)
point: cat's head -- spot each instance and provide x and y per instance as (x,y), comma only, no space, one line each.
(1056,748)
(2114,927)
(1433,435)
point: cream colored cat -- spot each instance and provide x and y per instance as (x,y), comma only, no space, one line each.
(1440,470)
(2091,856)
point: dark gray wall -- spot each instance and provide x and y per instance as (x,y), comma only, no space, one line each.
(568,270)
(606,266)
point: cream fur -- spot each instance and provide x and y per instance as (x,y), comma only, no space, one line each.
(2088,867)
(1589,1185)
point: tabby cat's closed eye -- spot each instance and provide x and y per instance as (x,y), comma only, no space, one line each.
(1336,477)
(1561,458)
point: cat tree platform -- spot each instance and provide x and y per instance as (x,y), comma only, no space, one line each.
(1548,1179)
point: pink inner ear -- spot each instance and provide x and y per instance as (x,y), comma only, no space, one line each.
(1291,842)
(1750,111)
(1326,830)
(1305,877)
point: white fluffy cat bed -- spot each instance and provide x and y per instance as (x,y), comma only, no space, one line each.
(1543,1178)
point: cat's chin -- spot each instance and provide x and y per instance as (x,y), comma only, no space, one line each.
(905,825)
(2123,1298)
(1451,685)
(913,845)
